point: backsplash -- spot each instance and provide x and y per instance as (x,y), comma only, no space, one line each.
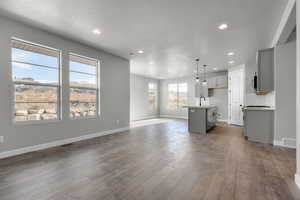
(267,100)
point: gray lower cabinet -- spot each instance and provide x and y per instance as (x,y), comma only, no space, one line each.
(197,120)
(259,125)
(201,119)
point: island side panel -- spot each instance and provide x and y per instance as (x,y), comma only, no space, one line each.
(197,120)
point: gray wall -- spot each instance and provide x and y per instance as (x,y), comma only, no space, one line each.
(220,98)
(298,95)
(139,106)
(114,100)
(285,87)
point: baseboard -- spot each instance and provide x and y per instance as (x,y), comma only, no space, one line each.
(285,142)
(223,120)
(297,180)
(145,118)
(58,143)
(173,117)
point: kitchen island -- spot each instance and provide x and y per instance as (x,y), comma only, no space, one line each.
(201,118)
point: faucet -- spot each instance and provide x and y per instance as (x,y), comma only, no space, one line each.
(201,97)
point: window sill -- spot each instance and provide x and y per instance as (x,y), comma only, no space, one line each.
(38,122)
(43,122)
(84,118)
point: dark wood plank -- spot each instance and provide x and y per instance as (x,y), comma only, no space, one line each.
(155,162)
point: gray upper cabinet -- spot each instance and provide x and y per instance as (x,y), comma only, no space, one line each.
(217,82)
(211,82)
(221,81)
(265,75)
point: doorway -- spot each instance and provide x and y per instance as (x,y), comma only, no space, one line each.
(236,84)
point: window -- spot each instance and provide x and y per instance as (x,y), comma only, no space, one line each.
(36,79)
(182,94)
(152,95)
(177,95)
(84,86)
(172,96)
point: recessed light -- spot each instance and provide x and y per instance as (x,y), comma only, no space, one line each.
(151,63)
(231,62)
(96,31)
(140,51)
(230,53)
(223,26)
(215,68)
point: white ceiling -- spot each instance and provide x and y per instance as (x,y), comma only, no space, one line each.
(172,33)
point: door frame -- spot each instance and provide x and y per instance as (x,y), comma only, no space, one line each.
(230,70)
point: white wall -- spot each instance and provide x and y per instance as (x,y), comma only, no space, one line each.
(114,100)
(285,87)
(139,106)
(297,176)
(220,97)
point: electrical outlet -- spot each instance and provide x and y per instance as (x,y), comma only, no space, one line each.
(118,121)
(1,139)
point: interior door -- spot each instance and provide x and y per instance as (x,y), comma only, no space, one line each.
(236,96)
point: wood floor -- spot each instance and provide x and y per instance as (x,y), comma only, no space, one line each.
(155,162)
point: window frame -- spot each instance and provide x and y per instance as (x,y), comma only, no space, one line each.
(58,86)
(97,89)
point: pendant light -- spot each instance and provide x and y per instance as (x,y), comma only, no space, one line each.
(197,78)
(204,82)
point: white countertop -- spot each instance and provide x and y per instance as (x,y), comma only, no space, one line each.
(259,108)
(201,107)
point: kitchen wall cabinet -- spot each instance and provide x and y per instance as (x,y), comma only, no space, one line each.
(217,82)
(265,75)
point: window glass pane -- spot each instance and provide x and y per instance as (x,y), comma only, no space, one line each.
(28,93)
(172,88)
(182,94)
(83,73)
(83,95)
(34,64)
(78,110)
(172,96)
(34,57)
(152,93)
(80,67)
(182,88)
(35,111)
(82,80)
(30,73)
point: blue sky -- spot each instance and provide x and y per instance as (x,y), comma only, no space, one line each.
(46,75)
